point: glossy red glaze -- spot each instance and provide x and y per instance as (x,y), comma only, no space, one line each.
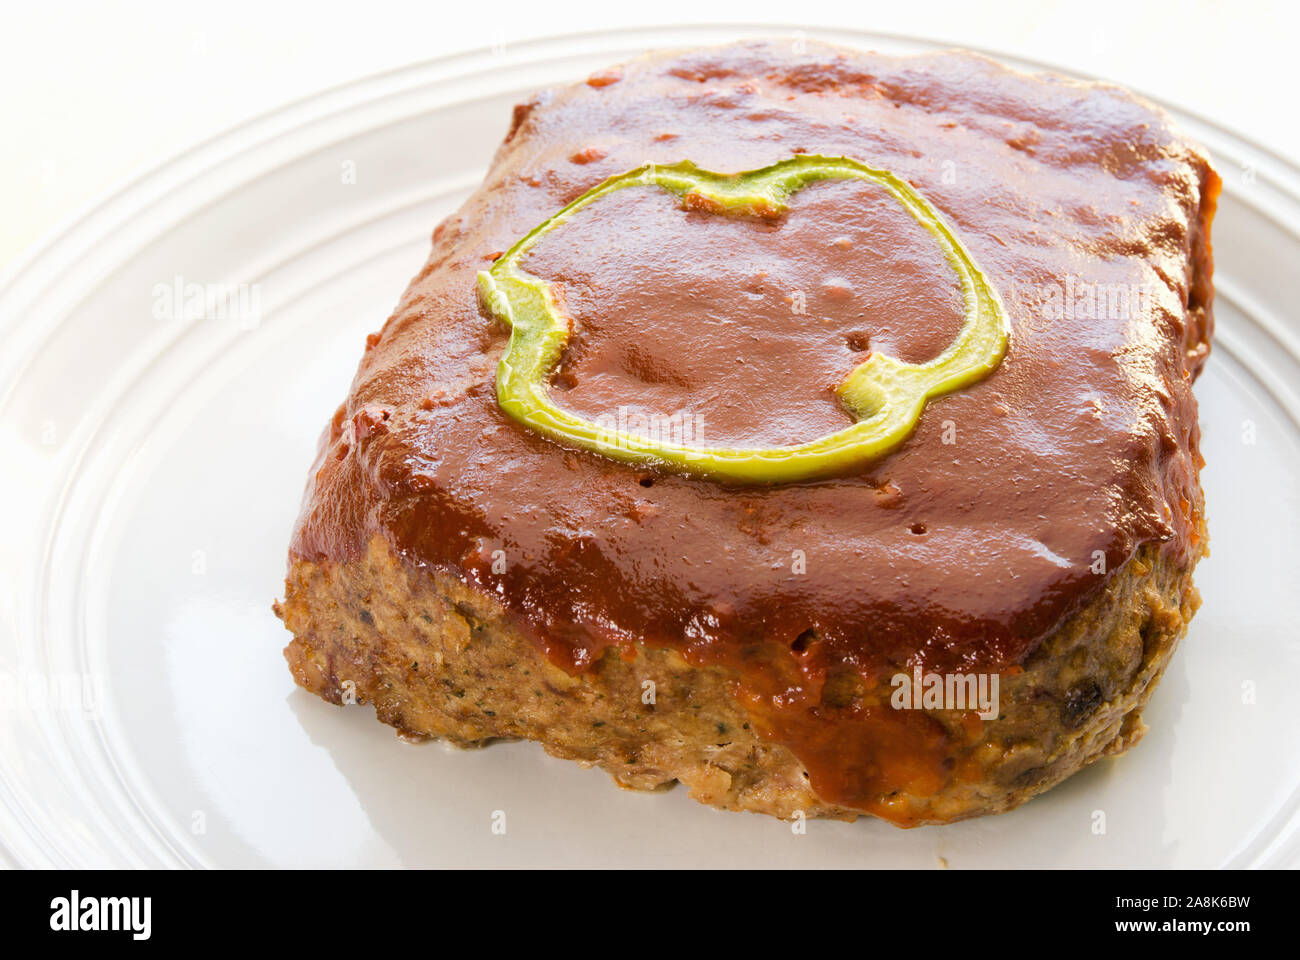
(963,548)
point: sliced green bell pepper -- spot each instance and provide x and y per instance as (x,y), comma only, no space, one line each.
(886,396)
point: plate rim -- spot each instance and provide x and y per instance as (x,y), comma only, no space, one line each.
(76,221)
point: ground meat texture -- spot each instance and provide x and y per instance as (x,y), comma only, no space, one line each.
(1041,525)
(440,660)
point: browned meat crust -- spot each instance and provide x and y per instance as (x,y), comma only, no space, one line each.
(438,659)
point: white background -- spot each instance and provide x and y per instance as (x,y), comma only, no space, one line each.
(95,94)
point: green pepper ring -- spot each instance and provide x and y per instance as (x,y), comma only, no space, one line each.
(884,394)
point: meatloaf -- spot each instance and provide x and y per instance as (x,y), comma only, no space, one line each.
(1035,535)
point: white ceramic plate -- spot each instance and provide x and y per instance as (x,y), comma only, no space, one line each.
(153,467)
